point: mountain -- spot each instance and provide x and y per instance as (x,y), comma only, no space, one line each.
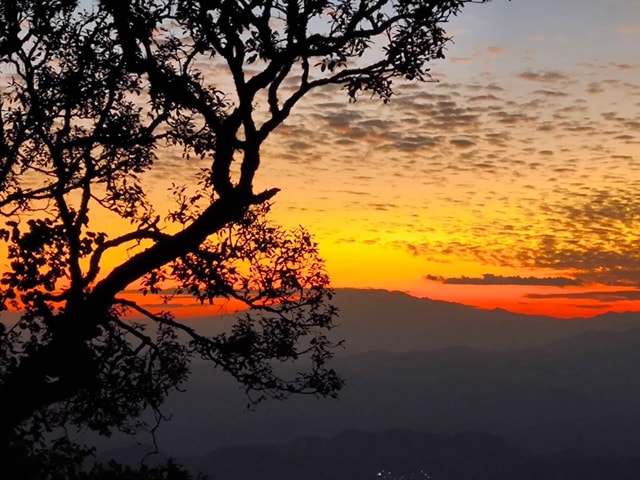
(375,320)
(379,320)
(355,455)
(540,383)
(395,455)
(578,394)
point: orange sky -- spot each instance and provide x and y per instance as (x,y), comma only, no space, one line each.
(521,162)
(513,182)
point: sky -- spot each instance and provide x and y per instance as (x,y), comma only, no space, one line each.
(513,182)
(510,181)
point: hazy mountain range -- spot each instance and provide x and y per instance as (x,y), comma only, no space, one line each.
(534,387)
(379,320)
(407,455)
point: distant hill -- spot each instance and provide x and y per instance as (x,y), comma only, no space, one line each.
(357,455)
(393,455)
(540,383)
(579,394)
(407,455)
(374,320)
(380,320)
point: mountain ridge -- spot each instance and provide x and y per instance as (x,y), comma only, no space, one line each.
(406,454)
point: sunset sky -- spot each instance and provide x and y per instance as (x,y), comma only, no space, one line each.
(512,182)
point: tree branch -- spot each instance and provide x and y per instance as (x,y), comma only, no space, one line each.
(94,263)
(221,212)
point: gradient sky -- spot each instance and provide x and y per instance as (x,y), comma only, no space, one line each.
(512,182)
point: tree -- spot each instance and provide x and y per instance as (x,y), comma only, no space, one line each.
(91,98)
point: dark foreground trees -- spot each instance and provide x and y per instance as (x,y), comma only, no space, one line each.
(93,95)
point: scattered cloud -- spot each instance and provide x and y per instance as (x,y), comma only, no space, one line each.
(550,93)
(545,77)
(626,67)
(484,98)
(462,142)
(540,178)
(511,118)
(489,279)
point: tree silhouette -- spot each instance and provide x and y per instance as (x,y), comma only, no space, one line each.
(90,100)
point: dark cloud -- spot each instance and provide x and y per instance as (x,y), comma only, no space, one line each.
(595,88)
(599,296)
(512,118)
(354,192)
(550,93)
(462,142)
(546,127)
(340,118)
(489,279)
(546,77)
(382,206)
(412,143)
(484,98)
(626,66)
(498,139)
(377,124)
(300,145)
(625,137)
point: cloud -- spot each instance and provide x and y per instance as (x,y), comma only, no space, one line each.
(599,296)
(496,50)
(341,119)
(595,237)
(299,145)
(462,142)
(550,93)
(626,67)
(588,236)
(528,178)
(511,118)
(489,279)
(546,77)
(630,29)
(595,87)
(413,143)
(484,98)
